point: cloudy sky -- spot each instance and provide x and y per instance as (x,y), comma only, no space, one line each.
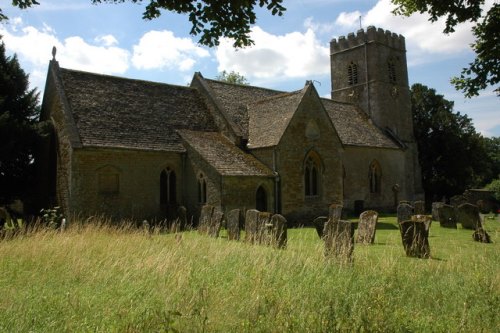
(113,39)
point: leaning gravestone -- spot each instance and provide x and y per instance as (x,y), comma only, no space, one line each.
(435,210)
(419,207)
(425,219)
(233,224)
(264,228)
(319,225)
(367,226)
(480,235)
(468,215)
(215,223)
(447,216)
(251,218)
(415,239)
(339,240)
(279,232)
(405,211)
(205,217)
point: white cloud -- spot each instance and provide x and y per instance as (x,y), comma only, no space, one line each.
(348,20)
(293,55)
(161,49)
(106,40)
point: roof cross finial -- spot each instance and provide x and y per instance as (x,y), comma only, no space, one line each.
(54,51)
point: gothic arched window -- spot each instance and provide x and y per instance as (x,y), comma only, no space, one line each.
(352,74)
(202,189)
(374,177)
(312,175)
(168,186)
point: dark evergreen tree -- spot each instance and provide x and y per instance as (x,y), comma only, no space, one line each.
(19,111)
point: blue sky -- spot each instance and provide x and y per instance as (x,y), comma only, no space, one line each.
(114,39)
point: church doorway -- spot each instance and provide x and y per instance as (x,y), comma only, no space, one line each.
(261,199)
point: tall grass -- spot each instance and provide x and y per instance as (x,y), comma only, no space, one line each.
(107,279)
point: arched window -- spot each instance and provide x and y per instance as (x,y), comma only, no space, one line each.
(374,177)
(168,186)
(311,175)
(202,189)
(261,199)
(352,74)
(391,70)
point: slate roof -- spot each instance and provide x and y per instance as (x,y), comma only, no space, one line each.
(125,113)
(234,99)
(223,155)
(269,118)
(354,127)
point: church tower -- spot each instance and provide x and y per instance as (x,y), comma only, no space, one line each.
(369,69)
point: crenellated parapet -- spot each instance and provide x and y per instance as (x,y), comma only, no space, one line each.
(372,35)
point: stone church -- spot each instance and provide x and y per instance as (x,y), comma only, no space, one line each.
(137,149)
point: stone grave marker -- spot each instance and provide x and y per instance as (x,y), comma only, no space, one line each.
(435,210)
(319,225)
(215,223)
(480,235)
(335,212)
(182,217)
(233,219)
(264,228)
(469,216)
(419,207)
(425,219)
(457,200)
(251,219)
(447,216)
(279,232)
(205,218)
(415,239)
(405,211)
(367,226)
(339,240)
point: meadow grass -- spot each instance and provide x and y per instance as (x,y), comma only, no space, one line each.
(107,279)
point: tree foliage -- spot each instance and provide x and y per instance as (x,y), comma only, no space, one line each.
(452,154)
(232,77)
(210,19)
(484,71)
(19,111)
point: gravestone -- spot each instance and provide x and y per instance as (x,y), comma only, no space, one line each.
(405,211)
(205,218)
(447,216)
(251,218)
(233,224)
(419,207)
(415,239)
(457,200)
(339,240)
(215,223)
(319,225)
(367,226)
(468,215)
(480,235)
(182,217)
(335,212)
(425,219)
(279,232)
(435,210)
(264,228)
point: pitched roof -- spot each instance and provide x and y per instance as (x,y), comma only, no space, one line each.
(223,155)
(354,127)
(234,99)
(269,118)
(125,113)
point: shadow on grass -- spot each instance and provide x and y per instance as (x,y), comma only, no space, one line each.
(386,226)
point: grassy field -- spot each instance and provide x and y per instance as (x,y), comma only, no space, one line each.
(103,279)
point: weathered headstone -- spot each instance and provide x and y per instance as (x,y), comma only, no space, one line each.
(251,219)
(215,223)
(335,212)
(468,216)
(435,210)
(182,217)
(415,239)
(419,207)
(339,240)
(233,218)
(279,232)
(405,211)
(425,219)
(264,228)
(367,226)
(480,235)
(447,216)
(319,225)
(457,200)
(205,218)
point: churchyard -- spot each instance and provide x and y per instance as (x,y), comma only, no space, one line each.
(97,277)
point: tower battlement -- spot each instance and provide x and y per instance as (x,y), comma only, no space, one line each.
(371,35)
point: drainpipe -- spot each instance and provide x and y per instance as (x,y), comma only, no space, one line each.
(276,184)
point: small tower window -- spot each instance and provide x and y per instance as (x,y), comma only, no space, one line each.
(391,70)
(352,74)
(202,189)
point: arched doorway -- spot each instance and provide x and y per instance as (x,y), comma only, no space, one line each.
(261,199)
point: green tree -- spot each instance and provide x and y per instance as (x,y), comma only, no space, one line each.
(451,153)
(19,111)
(484,71)
(495,187)
(232,77)
(211,19)
(493,151)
